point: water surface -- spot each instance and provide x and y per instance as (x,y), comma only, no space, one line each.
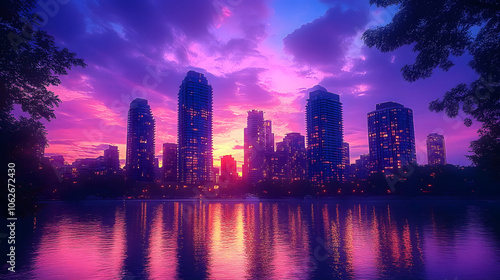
(287,239)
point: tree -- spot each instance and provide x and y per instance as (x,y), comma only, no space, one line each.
(439,30)
(29,64)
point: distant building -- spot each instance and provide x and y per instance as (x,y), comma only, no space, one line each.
(56,160)
(215,174)
(268,147)
(140,159)
(294,145)
(346,161)
(279,163)
(324,127)
(62,169)
(158,170)
(228,170)
(391,137)
(195,160)
(258,147)
(84,168)
(436,152)
(362,167)
(111,160)
(169,162)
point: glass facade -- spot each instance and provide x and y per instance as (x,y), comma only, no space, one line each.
(195,160)
(140,162)
(436,152)
(324,127)
(391,137)
(259,147)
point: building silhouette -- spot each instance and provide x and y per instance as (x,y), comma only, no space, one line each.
(324,127)
(346,161)
(169,167)
(111,160)
(228,170)
(140,160)
(362,167)
(268,148)
(391,137)
(436,152)
(258,148)
(294,146)
(279,163)
(195,159)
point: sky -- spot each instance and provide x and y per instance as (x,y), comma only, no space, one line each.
(257,54)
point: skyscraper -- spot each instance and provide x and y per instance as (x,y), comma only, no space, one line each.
(258,147)
(346,162)
(254,147)
(140,160)
(169,162)
(324,127)
(195,160)
(268,148)
(436,152)
(391,137)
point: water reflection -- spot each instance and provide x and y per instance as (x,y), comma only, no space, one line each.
(257,240)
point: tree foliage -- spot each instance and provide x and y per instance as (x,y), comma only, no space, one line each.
(439,30)
(30,63)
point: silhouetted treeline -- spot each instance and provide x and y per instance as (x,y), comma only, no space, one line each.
(423,180)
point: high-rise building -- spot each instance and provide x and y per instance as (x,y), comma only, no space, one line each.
(391,137)
(295,153)
(258,147)
(279,162)
(111,160)
(268,148)
(140,161)
(195,160)
(346,161)
(228,170)
(324,136)
(436,152)
(169,162)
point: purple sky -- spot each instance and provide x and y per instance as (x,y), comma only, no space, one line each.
(256,54)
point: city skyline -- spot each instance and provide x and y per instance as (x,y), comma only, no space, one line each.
(265,62)
(390,130)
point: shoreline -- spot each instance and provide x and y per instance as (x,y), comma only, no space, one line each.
(298,199)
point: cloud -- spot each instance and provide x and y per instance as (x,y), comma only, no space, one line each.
(325,41)
(144,49)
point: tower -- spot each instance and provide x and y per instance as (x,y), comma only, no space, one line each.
(436,152)
(324,127)
(195,160)
(391,137)
(140,141)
